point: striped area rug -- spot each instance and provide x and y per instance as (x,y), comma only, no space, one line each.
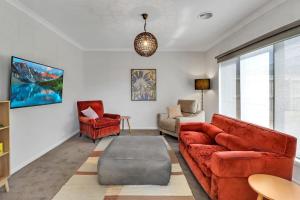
(83,185)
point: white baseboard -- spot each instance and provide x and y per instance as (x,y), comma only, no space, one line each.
(296,172)
(38,155)
(143,128)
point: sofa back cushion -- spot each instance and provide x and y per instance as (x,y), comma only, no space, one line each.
(232,142)
(211,130)
(257,137)
(188,105)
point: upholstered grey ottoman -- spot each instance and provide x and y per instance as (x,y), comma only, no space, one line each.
(135,160)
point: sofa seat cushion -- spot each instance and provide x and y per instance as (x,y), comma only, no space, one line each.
(168,124)
(202,154)
(105,122)
(193,137)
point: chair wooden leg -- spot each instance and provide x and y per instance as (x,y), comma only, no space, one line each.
(260,197)
(6,186)
(160,133)
(128,126)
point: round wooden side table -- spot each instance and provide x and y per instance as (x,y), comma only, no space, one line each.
(274,188)
(123,118)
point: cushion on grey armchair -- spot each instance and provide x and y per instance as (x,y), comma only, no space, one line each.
(188,105)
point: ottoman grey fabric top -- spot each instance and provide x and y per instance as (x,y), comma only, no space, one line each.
(135,160)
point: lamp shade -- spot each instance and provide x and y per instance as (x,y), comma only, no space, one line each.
(202,84)
(145,44)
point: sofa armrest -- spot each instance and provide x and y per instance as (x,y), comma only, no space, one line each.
(245,163)
(191,126)
(86,120)
(196,118)
(161,116)
(113,116)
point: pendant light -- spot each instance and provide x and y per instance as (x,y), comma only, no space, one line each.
(145,43)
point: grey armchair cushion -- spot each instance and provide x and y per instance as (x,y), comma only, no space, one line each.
(188,106)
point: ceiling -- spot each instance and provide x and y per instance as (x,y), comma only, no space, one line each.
(112,24)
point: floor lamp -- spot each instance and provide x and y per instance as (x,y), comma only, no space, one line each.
(202,84)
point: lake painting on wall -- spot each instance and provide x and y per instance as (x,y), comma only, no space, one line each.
(143,84)
(34,84)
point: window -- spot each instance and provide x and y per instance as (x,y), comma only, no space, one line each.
(287,88)
(263,87)
(227,87)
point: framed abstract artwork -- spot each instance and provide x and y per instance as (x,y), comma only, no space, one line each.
(143,84)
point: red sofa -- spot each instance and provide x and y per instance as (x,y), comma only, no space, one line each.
(105,125)
(224,153)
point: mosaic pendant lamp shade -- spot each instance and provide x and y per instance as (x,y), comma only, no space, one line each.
(145,43)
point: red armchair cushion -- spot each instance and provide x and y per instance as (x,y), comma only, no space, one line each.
(87,120)
(232,142)
(202,155)
(193,137)
(105,122)
(113,116)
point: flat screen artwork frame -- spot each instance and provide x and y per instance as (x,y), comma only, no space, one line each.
(34,84)
(143,85)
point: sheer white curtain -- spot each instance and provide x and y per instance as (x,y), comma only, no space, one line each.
(255,86)
(287,87)
(227,88)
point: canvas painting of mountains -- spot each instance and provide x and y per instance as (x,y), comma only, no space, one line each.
(34,84)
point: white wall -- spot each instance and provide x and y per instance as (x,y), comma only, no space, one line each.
(36,130)
(275,18)
(107,77)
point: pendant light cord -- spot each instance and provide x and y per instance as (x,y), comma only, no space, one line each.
(145,26)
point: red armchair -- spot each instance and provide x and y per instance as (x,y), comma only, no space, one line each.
(223,154)
(105,125)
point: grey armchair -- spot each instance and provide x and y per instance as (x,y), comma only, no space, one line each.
(190,111)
